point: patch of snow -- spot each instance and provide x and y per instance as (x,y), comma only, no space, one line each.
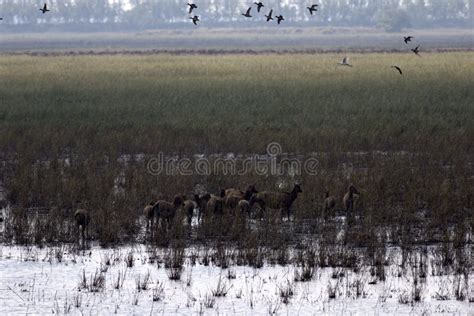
(34,281)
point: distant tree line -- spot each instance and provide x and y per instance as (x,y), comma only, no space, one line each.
(393,15)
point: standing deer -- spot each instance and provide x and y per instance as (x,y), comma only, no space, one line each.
(82,218)
(329,204)
(203,206)
(233,197)
(349,200)
(215,205)
(190,206)
(276,200)
(166,211)
(150,218)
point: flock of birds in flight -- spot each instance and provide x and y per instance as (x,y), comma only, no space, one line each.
(269,17)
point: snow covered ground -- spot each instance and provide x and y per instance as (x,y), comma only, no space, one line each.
(50,280)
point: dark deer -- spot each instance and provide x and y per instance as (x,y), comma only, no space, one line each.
(350,198)
(82,218)
(190,206)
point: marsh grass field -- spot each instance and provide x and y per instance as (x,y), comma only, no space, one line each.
(209,104)
(403,139)
(84,127)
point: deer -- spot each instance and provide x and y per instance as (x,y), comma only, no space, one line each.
(82,219)
(276,200)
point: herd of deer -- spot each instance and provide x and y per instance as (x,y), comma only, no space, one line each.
(228,201)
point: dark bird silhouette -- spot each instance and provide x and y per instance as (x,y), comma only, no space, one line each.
(345,62)
(195,19)
(1,19)
(44,9)
(269,16)
(398,68)
(247,14)
(408,39)
(192,6)
(259,6)
(416,50)
(313,8)
(280,18)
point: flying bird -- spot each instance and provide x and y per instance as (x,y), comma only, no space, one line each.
(407,39)
(247,14)
(397,68)
(416,50)
(44,9)
(259,5)
(345,62)
(192,6)
(313,8)
(280,18)
(195,19)
(269,16)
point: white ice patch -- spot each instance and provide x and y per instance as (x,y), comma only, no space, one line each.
(32,281)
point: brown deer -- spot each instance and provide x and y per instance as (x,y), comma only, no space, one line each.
(149,217)
(329,204)
(276,200)
(215,205)
(234,196)
(166,211)
(203,206)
